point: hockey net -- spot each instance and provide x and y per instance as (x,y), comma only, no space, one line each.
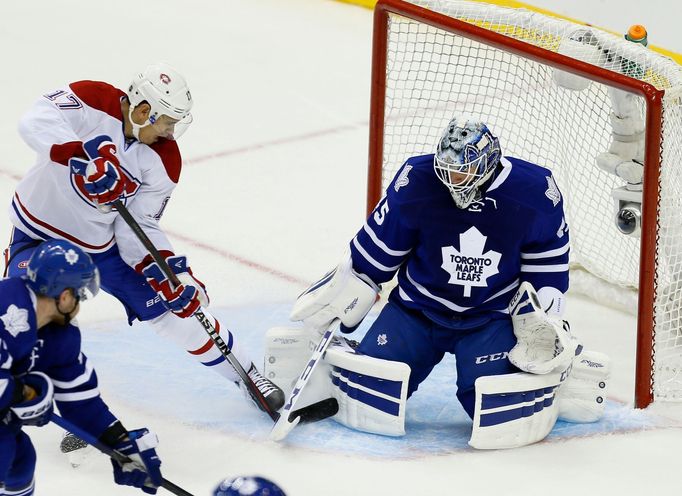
(434,59)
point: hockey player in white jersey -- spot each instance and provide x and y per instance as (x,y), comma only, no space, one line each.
(96,144)
(479,244)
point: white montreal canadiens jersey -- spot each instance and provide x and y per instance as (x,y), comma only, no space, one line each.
(465,261)
(50,202)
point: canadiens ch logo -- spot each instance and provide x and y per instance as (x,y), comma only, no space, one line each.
(470,266)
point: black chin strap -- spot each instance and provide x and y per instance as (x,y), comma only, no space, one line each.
(67,316)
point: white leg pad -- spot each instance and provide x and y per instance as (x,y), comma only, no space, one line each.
(582,397)
(287,349)
(371,392)
(514,410)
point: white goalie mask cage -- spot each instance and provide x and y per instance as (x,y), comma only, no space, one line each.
(166,91)
(466,156)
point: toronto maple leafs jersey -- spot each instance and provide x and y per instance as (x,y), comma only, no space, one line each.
(54,350)
(50,202)
(465,262)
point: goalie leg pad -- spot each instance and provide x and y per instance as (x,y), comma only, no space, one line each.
(287,349)
(514,410)
(582,397)
(371,392)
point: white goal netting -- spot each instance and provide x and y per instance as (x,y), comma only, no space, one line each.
(433,74)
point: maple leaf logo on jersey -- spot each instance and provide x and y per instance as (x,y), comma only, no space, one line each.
(470,266)
(552,192)
(15,320)
(402,179)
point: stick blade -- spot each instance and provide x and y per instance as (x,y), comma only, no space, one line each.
(308,414)
(317,411)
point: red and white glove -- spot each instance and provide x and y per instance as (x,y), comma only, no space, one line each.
(182,300)
(104,180)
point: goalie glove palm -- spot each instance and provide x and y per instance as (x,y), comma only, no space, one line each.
(544,344)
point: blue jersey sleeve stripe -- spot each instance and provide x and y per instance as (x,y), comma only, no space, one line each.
(78,381)
(382,245)
(371,260)
(545,268)
(79,396)
(545,254)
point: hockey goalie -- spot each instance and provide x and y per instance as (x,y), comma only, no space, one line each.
(479,245)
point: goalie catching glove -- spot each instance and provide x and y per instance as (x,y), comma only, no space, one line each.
(183,300)
(544,344)
(341,293)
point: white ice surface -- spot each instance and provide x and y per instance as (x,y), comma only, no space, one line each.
(272,189)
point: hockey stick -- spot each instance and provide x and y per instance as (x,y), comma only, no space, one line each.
(207,321)
(311,413)
(119,457)
(288,418)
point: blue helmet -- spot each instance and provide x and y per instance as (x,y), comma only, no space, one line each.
(248,486)
(59,264)
(466,156)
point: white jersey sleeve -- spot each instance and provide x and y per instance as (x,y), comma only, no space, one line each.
(56,118)
(50,202)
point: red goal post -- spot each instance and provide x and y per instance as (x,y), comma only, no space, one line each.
(433,58)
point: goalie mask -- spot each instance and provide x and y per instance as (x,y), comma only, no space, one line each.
(465,158)
(166,92)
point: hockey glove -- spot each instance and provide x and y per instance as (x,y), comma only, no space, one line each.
(182,300)
(143,468)
(36,407)
(104,180)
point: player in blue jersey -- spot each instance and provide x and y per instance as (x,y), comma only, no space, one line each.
(479,245)
(41,364)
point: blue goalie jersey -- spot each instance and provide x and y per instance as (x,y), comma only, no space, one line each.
(454,262)
(54,350)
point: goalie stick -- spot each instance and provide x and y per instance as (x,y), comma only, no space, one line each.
(119,457)
(289,417)
(311,413)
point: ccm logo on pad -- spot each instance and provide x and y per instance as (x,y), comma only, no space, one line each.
(491,358)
